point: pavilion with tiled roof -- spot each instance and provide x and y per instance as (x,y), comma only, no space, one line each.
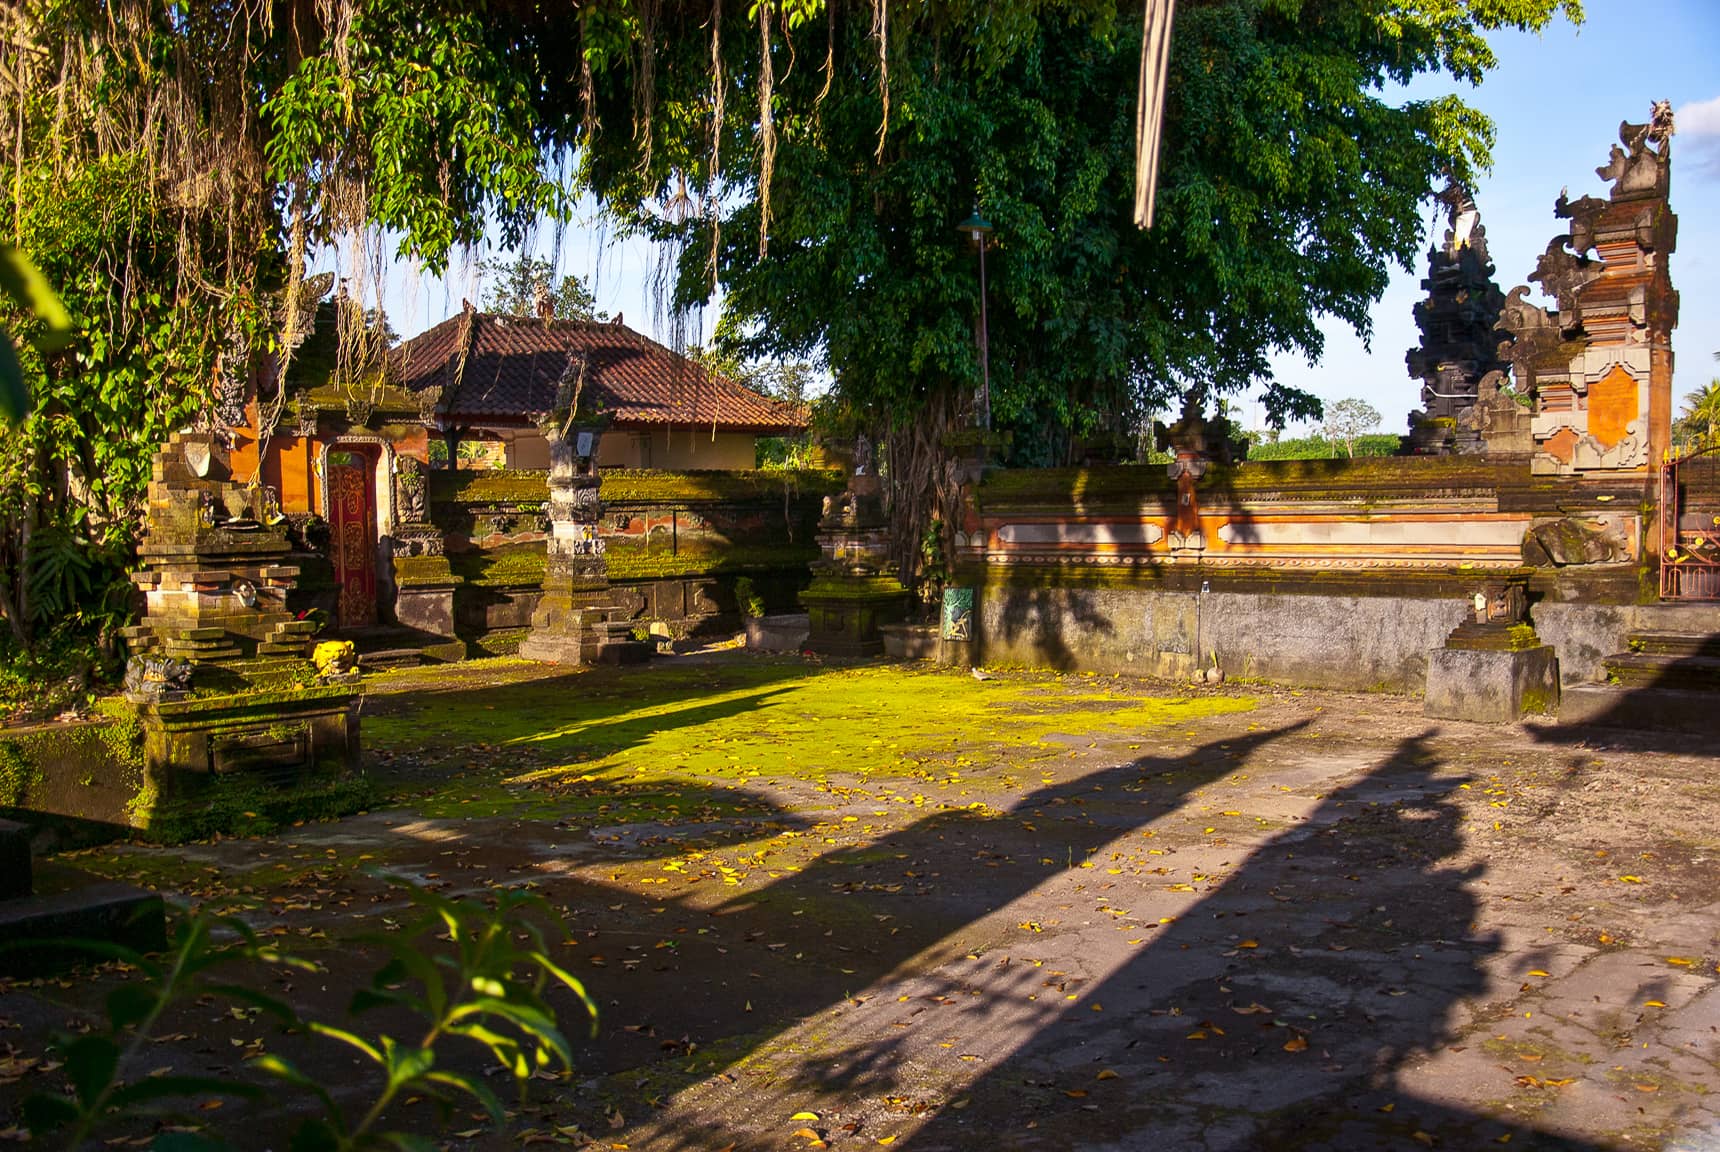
(491,376)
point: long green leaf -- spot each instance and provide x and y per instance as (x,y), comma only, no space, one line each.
(473,1087)
(283,1070)
(29,289)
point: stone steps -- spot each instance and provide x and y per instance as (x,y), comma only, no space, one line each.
(383,659)
(1679,644)
(1669,681)
(1652,670)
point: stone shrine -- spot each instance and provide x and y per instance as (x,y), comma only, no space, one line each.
(1599,364)
(1493,668)
(220,674)
(854,589)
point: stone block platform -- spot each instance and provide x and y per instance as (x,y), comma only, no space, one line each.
(1491,687)
(52,904)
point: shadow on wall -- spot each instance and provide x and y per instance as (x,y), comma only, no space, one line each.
(1043,617)
(1054,620)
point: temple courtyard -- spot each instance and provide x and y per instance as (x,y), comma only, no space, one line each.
(863,905)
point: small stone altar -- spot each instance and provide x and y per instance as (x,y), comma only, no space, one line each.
(854,589)
(1493,668)
(220,673)
(577,620)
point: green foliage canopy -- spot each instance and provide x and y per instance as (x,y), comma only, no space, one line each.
(174,164)
(1290,183)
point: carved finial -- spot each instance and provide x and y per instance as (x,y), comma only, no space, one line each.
(1660,125)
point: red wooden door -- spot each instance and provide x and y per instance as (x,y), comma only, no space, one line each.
(352,536)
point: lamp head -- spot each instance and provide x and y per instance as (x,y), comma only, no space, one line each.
(976,226)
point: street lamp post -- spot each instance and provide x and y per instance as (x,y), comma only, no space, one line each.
(979,228)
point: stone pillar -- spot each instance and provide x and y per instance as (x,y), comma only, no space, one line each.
(424,583)
(576,621)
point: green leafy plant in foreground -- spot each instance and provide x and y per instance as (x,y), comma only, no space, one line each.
(28,289)
(487,986)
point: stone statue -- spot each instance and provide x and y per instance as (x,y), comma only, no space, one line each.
(152,678)
(410,504)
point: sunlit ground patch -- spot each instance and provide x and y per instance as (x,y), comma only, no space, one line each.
(757,720)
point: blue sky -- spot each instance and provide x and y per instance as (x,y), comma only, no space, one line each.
(1556,99)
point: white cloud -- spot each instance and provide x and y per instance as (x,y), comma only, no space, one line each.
(1699,136)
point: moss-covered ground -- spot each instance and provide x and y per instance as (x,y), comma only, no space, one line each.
(548,744)
(902,906)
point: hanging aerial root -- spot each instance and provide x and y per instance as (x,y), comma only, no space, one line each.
(881,32)
(766,130)
(713,177)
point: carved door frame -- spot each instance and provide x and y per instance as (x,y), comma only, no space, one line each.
(382,456)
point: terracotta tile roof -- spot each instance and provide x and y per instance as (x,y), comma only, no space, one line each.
(511,365)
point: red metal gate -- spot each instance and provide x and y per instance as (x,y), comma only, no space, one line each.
(1690,527)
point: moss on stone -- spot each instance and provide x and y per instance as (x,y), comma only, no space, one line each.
(512,566)
(628,561)
(18,775)
(257,706)
(651,486)
(411,571)
(249,806)
(489,486)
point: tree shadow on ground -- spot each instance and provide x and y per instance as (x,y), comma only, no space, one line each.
(1281,1012)
(920,897)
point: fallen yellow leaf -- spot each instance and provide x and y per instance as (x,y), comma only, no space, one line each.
(1296,1044)
(804,1116)
(1105,1074)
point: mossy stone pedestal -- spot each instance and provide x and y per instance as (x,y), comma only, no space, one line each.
(424,587)
(846,613)
(1493,668)
(208,758)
